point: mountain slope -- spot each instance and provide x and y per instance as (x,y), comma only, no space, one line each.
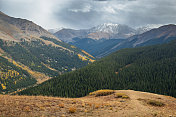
(150,69)
(134,104)
(36,51)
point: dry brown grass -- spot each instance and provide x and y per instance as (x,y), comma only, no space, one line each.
(95,106)
(104,92)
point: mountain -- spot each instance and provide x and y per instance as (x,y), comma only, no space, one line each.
(149,69)
(159,35)
(109,103)
(102,31)
(115,31)
(35,51)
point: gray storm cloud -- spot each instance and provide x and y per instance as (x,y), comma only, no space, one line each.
(88,13)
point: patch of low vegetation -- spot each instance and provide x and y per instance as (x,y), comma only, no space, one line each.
(121,95)
(104,92)
(152,102)
(61,105)
(72,110)
(155,103)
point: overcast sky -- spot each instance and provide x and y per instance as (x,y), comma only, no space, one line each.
(87,13)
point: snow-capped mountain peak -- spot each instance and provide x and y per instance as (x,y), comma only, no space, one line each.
(113,30)
(106,27)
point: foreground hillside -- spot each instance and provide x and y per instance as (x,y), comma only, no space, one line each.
(122,103)
(150,69)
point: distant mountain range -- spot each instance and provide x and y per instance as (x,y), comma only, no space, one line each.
(103,47)
(159,35)
(102,31)
(31,54)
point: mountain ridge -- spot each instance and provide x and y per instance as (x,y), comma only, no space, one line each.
(25,28)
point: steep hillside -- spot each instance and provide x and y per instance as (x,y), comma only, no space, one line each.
(117,103)
(33,49)
(150,69)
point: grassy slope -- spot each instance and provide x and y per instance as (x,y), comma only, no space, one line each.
(137,104)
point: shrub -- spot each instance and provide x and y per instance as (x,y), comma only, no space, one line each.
(102,92)
(72,110)
(27,109)
(121,95)
(155,103)
(61,105)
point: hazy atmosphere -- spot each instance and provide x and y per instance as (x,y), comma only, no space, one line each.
(87,13)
